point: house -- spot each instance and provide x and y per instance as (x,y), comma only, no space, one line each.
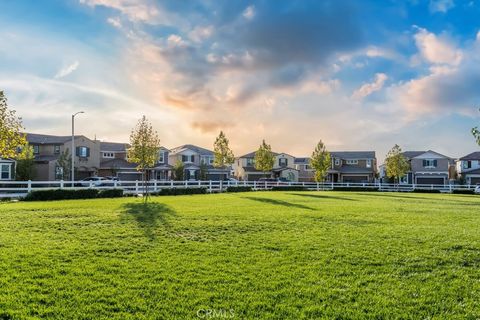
(48,148)
(468,167)
(283,167)
(193,157)
(7,169)
(353,167)
(305,172)
(428,167)
(113,162)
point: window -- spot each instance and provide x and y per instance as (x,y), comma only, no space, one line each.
(467,164)
(108,155)
(369,163)
(352,161)
(250,161)
(56,149)
(5,170)
(429,163)
(36,149)
(184,158)
(161,157)
(283,162)
(337,161)
(192,158)
(83,152)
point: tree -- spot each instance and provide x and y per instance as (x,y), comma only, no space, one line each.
(223,154)
(476,134)
(264,158)
(25,164)
(64,165)
(202,174)
(178,171)
(144,150)
(11,136)
(320,161)
(396,164)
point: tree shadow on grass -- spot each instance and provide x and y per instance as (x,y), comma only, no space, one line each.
(149,216)
(323,196)
(279,203)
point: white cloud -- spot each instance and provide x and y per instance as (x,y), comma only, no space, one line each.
(437,49)
(198,34)
(115,22)
(441,5)
(249,12)
(65,71)
(368,88)
(135,10)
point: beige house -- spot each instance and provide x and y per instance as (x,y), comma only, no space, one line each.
(283,168)
(429,167)
(47,150)
(353,167)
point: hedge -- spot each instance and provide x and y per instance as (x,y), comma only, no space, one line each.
(179,191)
(466,191)
(67,194)
(362,189)
(239,189)
(289,188)
(426,191)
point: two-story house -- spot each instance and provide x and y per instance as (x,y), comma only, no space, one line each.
(113,162)
(47,150)
(468,167)
(305,172)
(283,167)
(428,167)
(192,158)
(353,166)
(7,169)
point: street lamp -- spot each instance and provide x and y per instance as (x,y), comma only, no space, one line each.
(73,147)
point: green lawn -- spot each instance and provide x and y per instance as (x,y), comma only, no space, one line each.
(263,255)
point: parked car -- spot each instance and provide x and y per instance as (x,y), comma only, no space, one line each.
(94,181)
(477,189)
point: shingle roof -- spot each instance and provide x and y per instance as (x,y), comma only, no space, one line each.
(114,146)
(199,150)
(252,154)
(35,138)
(301,160)
(353,154)
(412,154)
(472,156)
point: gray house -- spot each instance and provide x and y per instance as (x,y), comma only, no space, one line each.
(428,167)
(353,166)
(468,167)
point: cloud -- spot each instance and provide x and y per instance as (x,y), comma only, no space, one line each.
(135,10)
(210,126)
(249,12)
(437,49)
(115,22)
(441,5)
(369,88)
(198,34)
(67,70)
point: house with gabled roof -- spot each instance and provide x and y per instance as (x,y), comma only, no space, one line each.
(468,168)
(429,168)
(352,167)
(283,167)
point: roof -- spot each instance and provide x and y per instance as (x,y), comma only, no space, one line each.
(35,138)
(113,146)
(472,156)
(199,150)
(351,169)
(353,154)
(412,154)
(47,158)
(301,160)
(252,154)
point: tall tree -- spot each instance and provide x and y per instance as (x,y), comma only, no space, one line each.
(320,161)
(396,164)
(202,173)
(25,164)
(64,165)
(223,154)
(264,158)
(476,134)
(144,150)
(11,136)
(178,171)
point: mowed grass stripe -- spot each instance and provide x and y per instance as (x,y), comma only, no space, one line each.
(263,255)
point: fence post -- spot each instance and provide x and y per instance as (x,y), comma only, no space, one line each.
(155,185)
(115,184)
(254,185)
(171,184)
(136,186)
(318,186)
(61,184)
(186,183)
(90,184)
(210,186)
(29,185)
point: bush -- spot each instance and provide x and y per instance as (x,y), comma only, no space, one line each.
(239,189)
(361,189)
(463,191)
(180,191)
(110,193)
(61,194)
(289,188)
(426,191)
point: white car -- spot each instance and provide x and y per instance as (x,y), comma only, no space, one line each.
(477,189)
(94,181)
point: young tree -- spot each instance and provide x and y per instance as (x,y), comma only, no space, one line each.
(396,164)
(320,161)
(476,134)
(11,136)
(223,154)
(64,163)
(179,171)
(144,150)
(264,158)
(25,164)
(202,174)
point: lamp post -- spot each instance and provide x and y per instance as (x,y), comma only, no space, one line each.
(73,147)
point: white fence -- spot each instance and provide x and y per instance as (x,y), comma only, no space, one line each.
(18,189)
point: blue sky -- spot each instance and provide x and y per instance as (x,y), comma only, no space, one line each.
(360,75)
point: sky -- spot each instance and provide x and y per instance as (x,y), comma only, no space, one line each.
(359,75)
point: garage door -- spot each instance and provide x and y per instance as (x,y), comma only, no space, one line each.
(255,177)
(475,180)
(355,179)
(431,181)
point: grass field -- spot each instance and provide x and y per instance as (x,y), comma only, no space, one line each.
(264,255)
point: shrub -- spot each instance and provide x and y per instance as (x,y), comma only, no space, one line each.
(180,191)
(289,188)
(110,193)
(362,189)
(239,189)
(61,194)
(463,191)
(426,190)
